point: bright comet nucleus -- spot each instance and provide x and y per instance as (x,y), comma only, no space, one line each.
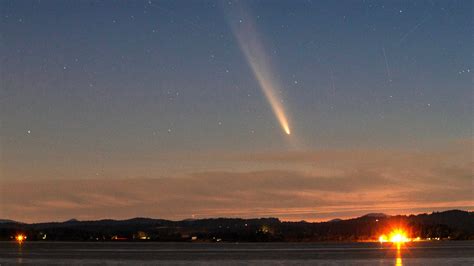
(259,62)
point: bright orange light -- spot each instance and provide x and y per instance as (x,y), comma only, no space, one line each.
(397,236)
(20,238)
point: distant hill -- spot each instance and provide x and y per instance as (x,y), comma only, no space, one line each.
(4,221)
(376,215)
(454,225)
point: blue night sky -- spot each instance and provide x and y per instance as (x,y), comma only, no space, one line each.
(115,109)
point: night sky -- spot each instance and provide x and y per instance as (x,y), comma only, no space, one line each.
(177,109)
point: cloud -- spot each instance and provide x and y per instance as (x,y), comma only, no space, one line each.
(310,186)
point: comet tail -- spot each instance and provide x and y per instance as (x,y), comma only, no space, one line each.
(258,60)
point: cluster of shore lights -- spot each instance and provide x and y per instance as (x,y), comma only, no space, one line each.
(397,236)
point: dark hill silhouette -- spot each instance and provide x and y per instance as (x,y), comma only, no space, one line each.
(376,215)
(7,221)
(454,225)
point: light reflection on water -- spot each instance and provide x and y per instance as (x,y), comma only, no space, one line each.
(20,253)
(398,260)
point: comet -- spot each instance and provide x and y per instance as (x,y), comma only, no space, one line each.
(258,60)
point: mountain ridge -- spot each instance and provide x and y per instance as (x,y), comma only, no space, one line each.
(453,224)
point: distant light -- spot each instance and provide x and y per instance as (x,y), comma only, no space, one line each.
(397,236)
(20,238)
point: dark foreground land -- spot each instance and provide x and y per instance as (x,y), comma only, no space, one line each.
(153,253)
(452,225)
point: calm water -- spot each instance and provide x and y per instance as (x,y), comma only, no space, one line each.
(66,253)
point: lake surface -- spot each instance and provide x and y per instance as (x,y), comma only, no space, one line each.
(106,253)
